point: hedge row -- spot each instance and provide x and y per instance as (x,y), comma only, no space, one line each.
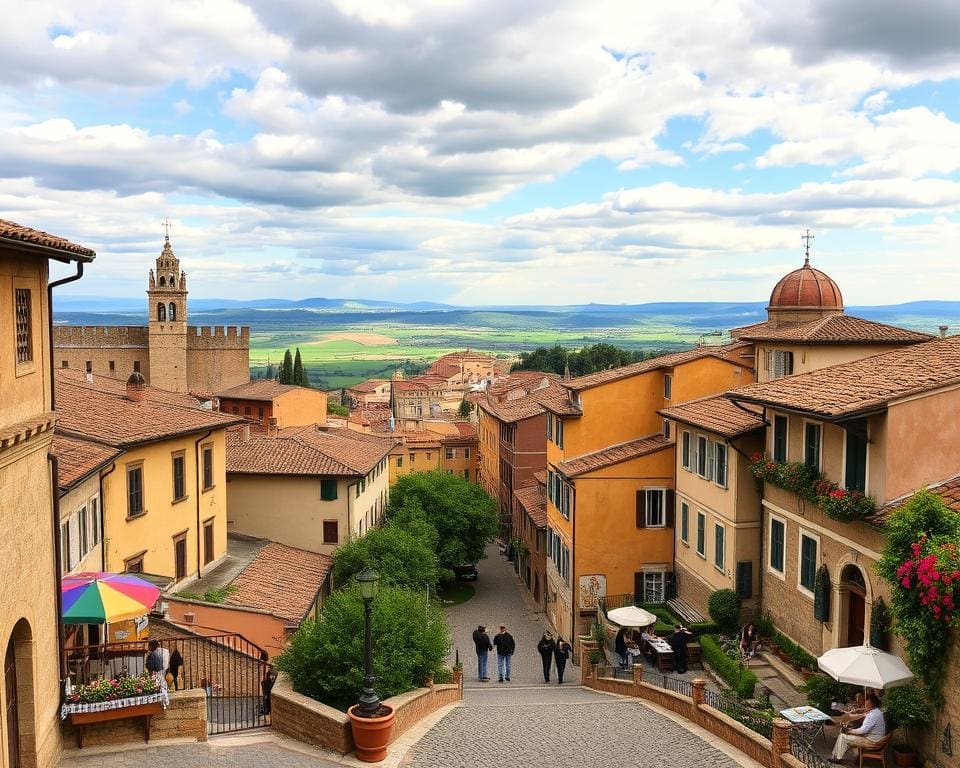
(666,621)
(740,679)
(798,657)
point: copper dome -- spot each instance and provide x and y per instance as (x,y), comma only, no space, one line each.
(806,287)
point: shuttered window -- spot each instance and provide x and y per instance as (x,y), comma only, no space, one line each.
(855,460)
(684,521)
(701,534)
(745,580)
(135,490)
(777,537)
(811,445)
(685,450)
(328,486)
(780,438)
(808,561)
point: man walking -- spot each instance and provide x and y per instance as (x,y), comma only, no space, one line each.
(481,641)
(505,645)
(678,644)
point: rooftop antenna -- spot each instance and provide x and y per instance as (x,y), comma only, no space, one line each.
(166,229)
(806,258)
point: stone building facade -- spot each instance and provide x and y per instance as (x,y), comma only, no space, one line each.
(169,353)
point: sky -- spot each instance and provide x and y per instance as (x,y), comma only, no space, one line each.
(495,152)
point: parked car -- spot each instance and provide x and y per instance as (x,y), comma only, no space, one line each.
(466,572)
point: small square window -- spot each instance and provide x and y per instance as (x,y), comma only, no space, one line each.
(331,532)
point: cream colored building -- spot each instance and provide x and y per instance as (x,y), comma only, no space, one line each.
(163,497)
(30,629)
(306,487)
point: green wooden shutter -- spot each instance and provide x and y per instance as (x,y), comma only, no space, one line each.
(641,509)
(745,579)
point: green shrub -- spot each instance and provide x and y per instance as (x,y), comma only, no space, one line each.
(400,558)
(798,657)
(822,691)
(907,707)
(324,658)
(443,675)
(724,608)
(740,679)
(765,625)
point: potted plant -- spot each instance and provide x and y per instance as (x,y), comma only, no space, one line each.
(116,699)
(906,707)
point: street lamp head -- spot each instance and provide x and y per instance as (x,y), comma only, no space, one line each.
(368,579)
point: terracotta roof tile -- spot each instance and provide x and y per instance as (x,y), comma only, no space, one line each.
(737,352)
(806,287)
(262,389)
(281,580)
(534,502)
(370,385)
(10,230)
(862,385)
(524,397)
(78,458)
(100,411)
(449,365)
(372,413)
(540,477)
(717,414)
(835,329)
(305,451)
(614,454)
(949,490)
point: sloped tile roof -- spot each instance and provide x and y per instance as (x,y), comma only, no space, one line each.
(835,329)
(370,414)
(370,385)
(521,397)
(305,451)
(10,230)
(281,580)
(77,458)
(949,490)
(739,353)
(101,412)
(262,389)
(449,365)
(717,414)
(614,454)
(862,385)
(534,502)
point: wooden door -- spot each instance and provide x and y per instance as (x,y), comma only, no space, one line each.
(13,725)
(208,543)
(180,555)
(856,614)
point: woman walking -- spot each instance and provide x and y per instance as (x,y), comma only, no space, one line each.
(546,647)
(560,654)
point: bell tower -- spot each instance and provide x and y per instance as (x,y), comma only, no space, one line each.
(167,310)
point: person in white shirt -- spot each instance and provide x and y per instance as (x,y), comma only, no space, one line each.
(872,730)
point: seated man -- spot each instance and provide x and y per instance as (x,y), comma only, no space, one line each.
(868,734)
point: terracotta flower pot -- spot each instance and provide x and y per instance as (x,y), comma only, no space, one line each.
(903,756)
(371,735)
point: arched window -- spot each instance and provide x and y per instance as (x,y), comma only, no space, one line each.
(163,281)
(173,311)
(161,312)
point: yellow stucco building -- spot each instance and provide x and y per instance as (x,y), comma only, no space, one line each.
(163,497)
(30,590)
(610,478)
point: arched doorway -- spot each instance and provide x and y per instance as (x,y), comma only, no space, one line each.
(18,690)
(855,591)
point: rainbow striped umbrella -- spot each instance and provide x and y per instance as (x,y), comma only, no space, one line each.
(98,598)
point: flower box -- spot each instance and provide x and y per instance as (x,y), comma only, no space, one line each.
(120,712)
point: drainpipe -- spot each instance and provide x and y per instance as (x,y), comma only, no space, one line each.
(103,520)
(350,486)
(196,454)
(54,479)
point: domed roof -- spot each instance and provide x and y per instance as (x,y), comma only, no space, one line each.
(806,287)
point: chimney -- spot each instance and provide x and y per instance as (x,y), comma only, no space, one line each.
(943,331)
(135,387)
(189,617)
(271,426)
(245,433)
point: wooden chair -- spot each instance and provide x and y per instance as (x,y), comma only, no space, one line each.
(877,752)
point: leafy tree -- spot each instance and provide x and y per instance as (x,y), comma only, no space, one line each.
(724,609)
(465,409)
(286,368)
(552,360)
(324,658)
(337,410)
(400,558)
(557,359)
(300,377)
(463,515)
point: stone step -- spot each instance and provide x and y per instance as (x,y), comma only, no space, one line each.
(785,670)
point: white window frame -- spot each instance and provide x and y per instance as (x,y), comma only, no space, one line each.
(805,534)
(723,529)
(450,453)
(701,553)
(93,505)
(662,590)
(717,445)
(686,450)
(648,494)
(684,523)
(819,426)
(782,574)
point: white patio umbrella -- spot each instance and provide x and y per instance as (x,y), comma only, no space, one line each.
(631,616)
(865,665)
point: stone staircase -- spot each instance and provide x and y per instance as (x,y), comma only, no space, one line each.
(783,682)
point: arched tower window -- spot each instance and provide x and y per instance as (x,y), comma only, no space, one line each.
(163,281)
(173,311)
(161,312)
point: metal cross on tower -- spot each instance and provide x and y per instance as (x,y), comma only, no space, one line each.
(808,237)
(166,228)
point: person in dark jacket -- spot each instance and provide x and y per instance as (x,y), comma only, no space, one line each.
(678,644)
(561,653)
(620,646)
(545,648)
(504,643)
(481,641)
(176,663)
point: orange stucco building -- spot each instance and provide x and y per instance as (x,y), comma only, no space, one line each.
(610,478)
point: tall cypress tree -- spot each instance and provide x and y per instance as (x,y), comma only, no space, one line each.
(299,374)
(286,369)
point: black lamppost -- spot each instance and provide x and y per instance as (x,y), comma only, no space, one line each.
(369,703)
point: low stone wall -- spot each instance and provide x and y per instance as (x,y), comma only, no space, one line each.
(186,718)
(319,725)
(772,754)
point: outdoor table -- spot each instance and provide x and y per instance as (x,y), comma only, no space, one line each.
(660,650)
(809,722)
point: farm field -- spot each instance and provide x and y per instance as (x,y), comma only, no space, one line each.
(341,356)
